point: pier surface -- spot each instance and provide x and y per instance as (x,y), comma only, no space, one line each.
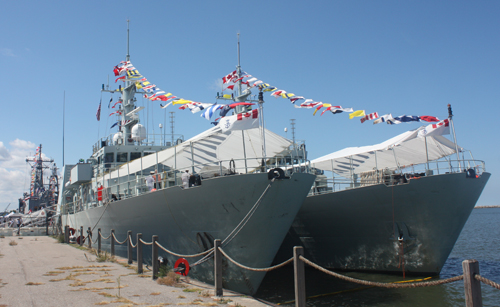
(39,271)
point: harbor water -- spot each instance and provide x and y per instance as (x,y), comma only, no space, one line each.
(480,240)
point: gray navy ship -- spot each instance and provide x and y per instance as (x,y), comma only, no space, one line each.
(236,195)
(394,207)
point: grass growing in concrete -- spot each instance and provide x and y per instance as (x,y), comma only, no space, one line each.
(191,290)
(171,279)
(104,257)
(12,243)
(34,283)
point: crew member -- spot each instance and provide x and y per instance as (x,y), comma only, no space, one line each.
(185,179)
(150,181)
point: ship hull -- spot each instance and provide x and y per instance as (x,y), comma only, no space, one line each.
(411,227)
(188,220)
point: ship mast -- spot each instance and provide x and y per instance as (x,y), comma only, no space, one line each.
(128,99)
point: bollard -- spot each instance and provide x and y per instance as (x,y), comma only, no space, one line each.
(154,258)
(129,247)
(66,234)
(89,237)
(139,254)
(99,240)
(217,269)
(472,286)
(112,243)
(81,235)
(299,277)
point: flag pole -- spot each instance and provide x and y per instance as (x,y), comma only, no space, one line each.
(450,117)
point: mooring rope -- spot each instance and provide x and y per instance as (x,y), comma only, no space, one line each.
(382,284)
(487,281)
(247,217)
(238,227)
(255,269)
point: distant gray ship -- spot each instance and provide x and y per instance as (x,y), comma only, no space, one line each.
(237,195)
(398,206)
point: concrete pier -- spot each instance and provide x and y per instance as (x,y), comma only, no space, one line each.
(39,271)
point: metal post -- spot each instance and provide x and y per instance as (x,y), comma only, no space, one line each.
(472,286)
(129,246)
(66,234)
(299,277)
(244,150)
(112,243)
(450,117)
(155,258)
(46,224)
(192,158)
(89,237)
(81,236)
(217,268)
(139,253)
(426,154)
(99,240)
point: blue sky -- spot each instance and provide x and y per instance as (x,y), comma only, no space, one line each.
(399,57)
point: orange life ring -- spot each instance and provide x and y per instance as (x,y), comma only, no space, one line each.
(183,266)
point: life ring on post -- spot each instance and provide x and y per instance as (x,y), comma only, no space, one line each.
(181,267)
(72,231)
(80,238)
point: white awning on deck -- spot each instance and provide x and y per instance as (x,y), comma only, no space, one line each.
(208,148)
(405,149)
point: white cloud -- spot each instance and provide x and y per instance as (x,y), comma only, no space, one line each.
(7,52)
(4,153)
(17,143)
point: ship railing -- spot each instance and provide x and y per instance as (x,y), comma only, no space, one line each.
(401,174)
(153,139)
(119,183)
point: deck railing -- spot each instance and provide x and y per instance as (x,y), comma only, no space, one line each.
(119,184)
(396,175)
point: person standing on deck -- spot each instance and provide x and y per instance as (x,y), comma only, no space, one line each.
(185,179)
(150,181)
(157,178)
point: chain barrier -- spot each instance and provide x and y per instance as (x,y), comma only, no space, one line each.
(255,269)
(119,241)
(487,281)
(382,284)
(145,243)
(184,256)
(131,242)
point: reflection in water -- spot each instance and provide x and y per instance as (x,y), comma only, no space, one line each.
(480,240)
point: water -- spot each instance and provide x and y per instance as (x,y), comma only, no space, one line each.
(480,240)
